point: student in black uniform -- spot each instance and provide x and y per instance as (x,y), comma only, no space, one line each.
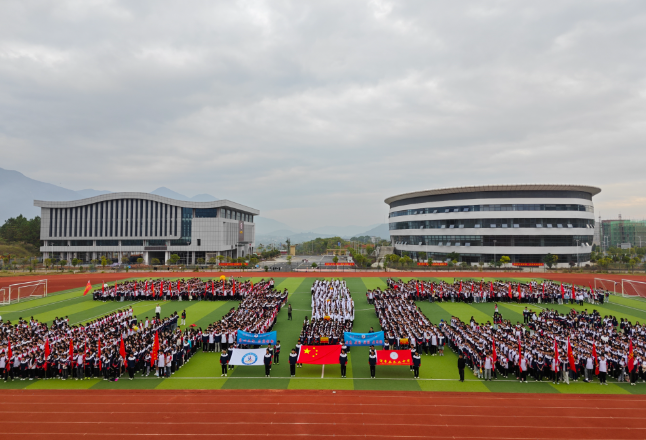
(267,363)
(224,360)
(132,361)
(372,360)
(277,353)
(343,360)
(289,312)
(293,356)
(461,365)
(417,361)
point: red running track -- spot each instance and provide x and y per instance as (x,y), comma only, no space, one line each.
(56,283)
(248,414)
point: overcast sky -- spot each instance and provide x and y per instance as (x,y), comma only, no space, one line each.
(315,111)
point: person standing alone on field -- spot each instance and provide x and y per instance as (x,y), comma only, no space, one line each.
(461,365)
(158,311)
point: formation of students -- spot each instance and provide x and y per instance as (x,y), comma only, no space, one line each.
(470,291)
(554,346)
(331,300)
(193,289)
(102,348)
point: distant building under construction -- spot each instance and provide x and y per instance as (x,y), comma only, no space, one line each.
(623,233)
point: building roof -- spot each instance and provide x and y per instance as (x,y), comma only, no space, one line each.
(593,190)
(145,196)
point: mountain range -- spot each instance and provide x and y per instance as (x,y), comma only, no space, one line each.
(18,192)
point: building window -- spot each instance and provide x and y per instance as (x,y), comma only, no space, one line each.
(199,242)
(206,213)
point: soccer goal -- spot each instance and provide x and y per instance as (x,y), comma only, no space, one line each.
(607,285)
(23,291)
(632,289)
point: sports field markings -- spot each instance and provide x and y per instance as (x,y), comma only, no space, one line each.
(104,314)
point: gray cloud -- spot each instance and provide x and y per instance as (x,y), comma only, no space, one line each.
(314,112)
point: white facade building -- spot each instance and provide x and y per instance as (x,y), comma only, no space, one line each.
(483,223)
(141,225)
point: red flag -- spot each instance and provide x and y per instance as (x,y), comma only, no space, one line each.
(252,285)
(319,354)
(161,288)
(530,288)
(100,362)
(394,357)
(135,285)
(631,357)
(494,354)
(212,288)
(472,287)
(178,285)
(573,292)
(417,287)
(556,355)
(570,356)
(71,350)
(47,352)
(9,354)
(102,286)
(518,291)
(153,285)
(562,292)
(155,353)
(510,294)
(491,287)
(520,351)
(234,289)
(543,288)
(460,291)
(87,288)
(594,355)
(122,348)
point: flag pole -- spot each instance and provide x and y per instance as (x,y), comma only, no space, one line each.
(322,371)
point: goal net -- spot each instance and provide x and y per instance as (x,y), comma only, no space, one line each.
(631,288)
(607,285)
(23,291)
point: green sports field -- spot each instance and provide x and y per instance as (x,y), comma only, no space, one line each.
(203,372)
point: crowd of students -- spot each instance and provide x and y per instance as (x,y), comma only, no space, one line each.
(471,291)
(101,348)
(554,346)
(332,314)
(193,289)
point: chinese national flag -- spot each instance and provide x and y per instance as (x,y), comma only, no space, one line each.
(394,357)
(570,356)
(155,353)
(631,357)
(319,354)
(562,292)
(48,351)
(122,348)
(87,288)
(594,355)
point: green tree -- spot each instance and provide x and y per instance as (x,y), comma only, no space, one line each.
(140,260)
(174,259)
(21,230)
(200,260)
(335,259)
(453,256)
(289,260)
(314,265)
(155,262)
(48,262)
(221,258)
(125,260)
(62,263)
(505,260)
(430,261)
(75,261)
(104,261)
(212,261)
(550,260)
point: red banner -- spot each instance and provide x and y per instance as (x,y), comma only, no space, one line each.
(233,264)
(433,264)
(319,354)
(527,264)
(394,357)
(339,264)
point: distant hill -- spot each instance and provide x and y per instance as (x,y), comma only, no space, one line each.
(378,231)
(165,192)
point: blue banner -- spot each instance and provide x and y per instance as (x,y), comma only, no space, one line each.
(257,338)
(365,339)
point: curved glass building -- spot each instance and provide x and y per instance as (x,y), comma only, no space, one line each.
(483,223)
